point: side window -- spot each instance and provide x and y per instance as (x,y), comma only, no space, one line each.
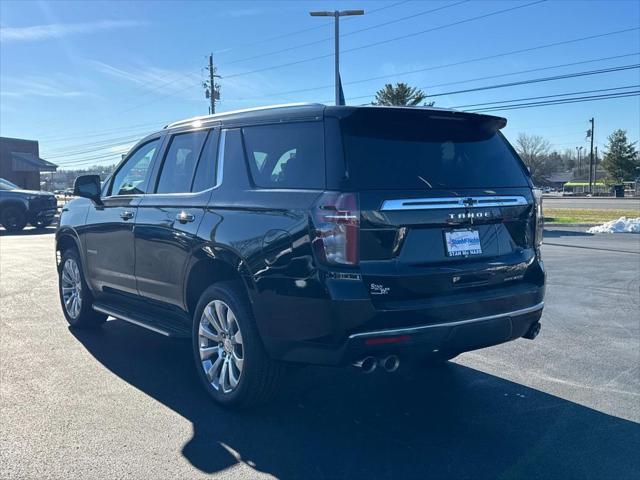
(133,176)
(205,176)
(180,162)
(286,155)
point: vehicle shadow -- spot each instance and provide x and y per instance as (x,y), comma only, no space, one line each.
(28,231)
(453,421)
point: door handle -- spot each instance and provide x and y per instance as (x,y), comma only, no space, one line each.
(126,215)
(184,217)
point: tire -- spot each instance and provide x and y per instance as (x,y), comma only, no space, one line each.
(257,376)
(13,219)
(75,297)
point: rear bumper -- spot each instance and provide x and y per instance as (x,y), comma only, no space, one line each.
(446,338)
(494,321)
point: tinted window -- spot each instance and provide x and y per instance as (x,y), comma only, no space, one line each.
(133,176)
(180,162)
(412,150)
(206,172)
(287,155)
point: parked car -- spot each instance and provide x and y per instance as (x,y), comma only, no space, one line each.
(363,236)
(19,207)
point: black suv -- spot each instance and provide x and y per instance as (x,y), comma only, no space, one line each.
(19,207)
(310,234)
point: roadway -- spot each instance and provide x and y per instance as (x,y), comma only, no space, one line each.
(592,203)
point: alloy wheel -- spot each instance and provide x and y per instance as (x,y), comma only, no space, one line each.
(71,284)
(220,346)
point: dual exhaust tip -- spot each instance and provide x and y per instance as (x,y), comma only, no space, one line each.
(390,363)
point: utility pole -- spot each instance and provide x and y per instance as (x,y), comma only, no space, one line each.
(211,90)
(336,15)
(595,167)
(591,169)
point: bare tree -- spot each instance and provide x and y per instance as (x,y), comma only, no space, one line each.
(535,152)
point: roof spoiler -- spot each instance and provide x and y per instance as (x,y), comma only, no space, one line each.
(491,122)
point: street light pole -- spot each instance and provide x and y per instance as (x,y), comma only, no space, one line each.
(579,150)
(336,15)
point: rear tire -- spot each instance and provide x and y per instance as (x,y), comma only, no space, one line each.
(13,219)
(225,337)
(75,296)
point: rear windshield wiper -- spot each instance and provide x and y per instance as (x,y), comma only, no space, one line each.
(425,181)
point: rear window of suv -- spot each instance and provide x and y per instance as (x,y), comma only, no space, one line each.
(288,155)
(403,149)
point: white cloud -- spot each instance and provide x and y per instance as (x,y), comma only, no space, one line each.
(161,80)
(58,30)
(40,87)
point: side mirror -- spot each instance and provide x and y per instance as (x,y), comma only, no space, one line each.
(88,186)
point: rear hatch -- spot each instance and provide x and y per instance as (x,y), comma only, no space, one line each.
(446,205)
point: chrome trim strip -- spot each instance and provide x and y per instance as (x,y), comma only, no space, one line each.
(220,163)
(204,118)
(453,202)
(412,330)
(130,320)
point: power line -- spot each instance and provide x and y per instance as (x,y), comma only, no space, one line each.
(560,102)
(107,132)
(369,45)
(94,148)
(534,80)
(91,159)
(495,103)
(316,42)
(486,87)
(457,82)
(542,79)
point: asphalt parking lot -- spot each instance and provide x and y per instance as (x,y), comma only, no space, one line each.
(123,402)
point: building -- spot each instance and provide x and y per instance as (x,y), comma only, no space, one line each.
(20,162)
(558,179)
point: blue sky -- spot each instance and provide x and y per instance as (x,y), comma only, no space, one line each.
(88,78)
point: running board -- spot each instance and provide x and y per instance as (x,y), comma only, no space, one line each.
(169,327)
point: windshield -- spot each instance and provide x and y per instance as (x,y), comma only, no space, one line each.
(7,185)
(412,150)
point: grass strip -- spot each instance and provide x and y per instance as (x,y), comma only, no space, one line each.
(586,215)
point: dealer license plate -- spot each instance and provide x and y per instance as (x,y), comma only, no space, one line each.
(460,243)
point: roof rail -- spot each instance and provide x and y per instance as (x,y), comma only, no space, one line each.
(205,118)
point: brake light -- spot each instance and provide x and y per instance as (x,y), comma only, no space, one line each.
(336,223)
(537,203)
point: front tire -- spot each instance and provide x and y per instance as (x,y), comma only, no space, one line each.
(75,296)
(13,219)
(230,358)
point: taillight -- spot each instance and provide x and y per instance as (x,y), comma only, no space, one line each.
(336,223)
(537,199)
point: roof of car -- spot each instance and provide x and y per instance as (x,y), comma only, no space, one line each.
(297,111)
(306,109)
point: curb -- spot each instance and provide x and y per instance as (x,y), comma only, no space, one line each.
(571,224)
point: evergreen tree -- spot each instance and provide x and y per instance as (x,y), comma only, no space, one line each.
(621,157)
(400,94)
